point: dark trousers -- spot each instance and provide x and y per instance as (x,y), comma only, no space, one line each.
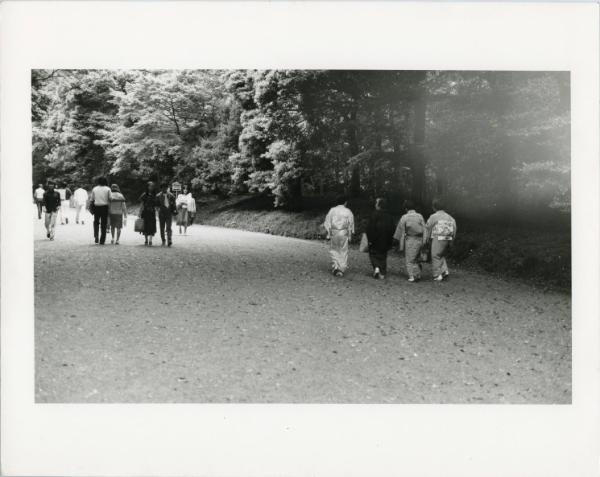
(100,220)
(39,203)
(379,259)
(165,218)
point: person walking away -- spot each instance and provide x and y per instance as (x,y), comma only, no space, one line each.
(183,203)
(63,198)
(166,210)
(100,199)
(339,224)
(80,198)
(441,230)
(51,205)
(191,209)
(117,212)
(380,236)
(70,194)
(38,199)
(148,212)
(410,234)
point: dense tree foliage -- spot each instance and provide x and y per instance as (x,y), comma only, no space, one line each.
(483,140)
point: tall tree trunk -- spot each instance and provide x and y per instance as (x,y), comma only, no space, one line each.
(416,154)
(501,84)
(353,146)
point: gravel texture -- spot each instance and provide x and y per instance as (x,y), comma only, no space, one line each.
(233,316)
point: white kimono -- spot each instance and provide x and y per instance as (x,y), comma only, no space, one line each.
(339,224)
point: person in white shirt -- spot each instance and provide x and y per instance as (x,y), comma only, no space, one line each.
(186,205)
(62,192)
(99,202)
(80,197)
(38,199)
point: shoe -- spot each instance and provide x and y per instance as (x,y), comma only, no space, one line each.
(95,239)
(445,275)
(163,243)
(82,222)
(411,279)
(112,241)
(52,238)
(48,235)
(67,221)
(439,278)
(77,221)
(376,272)
(117,242)
(169,243)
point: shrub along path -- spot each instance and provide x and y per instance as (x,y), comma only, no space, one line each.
(232,316)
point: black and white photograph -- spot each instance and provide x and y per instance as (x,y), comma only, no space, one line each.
(302,236)
(286,238)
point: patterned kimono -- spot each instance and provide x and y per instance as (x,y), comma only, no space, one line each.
(339,224)
(411,235)
(441,229)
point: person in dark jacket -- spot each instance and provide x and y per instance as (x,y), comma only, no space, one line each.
(148,212)
(51,203)
(165,201)
(380,235)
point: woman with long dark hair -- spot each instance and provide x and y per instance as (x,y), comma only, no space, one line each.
(148,212)
(380,230)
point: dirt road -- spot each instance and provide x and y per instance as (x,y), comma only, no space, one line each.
(234,316)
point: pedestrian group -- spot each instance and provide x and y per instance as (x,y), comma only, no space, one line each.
(417,239)
(109,209)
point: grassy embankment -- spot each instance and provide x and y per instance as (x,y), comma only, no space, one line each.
(538,255)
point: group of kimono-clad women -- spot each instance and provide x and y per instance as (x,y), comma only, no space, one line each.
(414,235)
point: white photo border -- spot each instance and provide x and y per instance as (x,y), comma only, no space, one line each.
(295,440)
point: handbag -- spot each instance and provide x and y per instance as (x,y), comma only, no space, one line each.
(138,226)
(425,255)
(364,243)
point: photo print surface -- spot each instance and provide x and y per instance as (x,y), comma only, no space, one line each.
(302,236)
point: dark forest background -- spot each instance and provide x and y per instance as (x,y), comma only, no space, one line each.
(494,145)
(486,141)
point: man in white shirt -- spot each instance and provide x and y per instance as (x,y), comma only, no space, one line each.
(81,197)
(38,198)
(100,200)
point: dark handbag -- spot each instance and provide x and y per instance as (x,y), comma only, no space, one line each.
(92,207)
(425,255)
(138,226)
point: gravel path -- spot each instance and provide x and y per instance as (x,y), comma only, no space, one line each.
(233,316)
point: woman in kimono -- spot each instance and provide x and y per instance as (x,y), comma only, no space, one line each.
(380,230)
(148,212)
(441,230)
(411,234)
(339,224)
